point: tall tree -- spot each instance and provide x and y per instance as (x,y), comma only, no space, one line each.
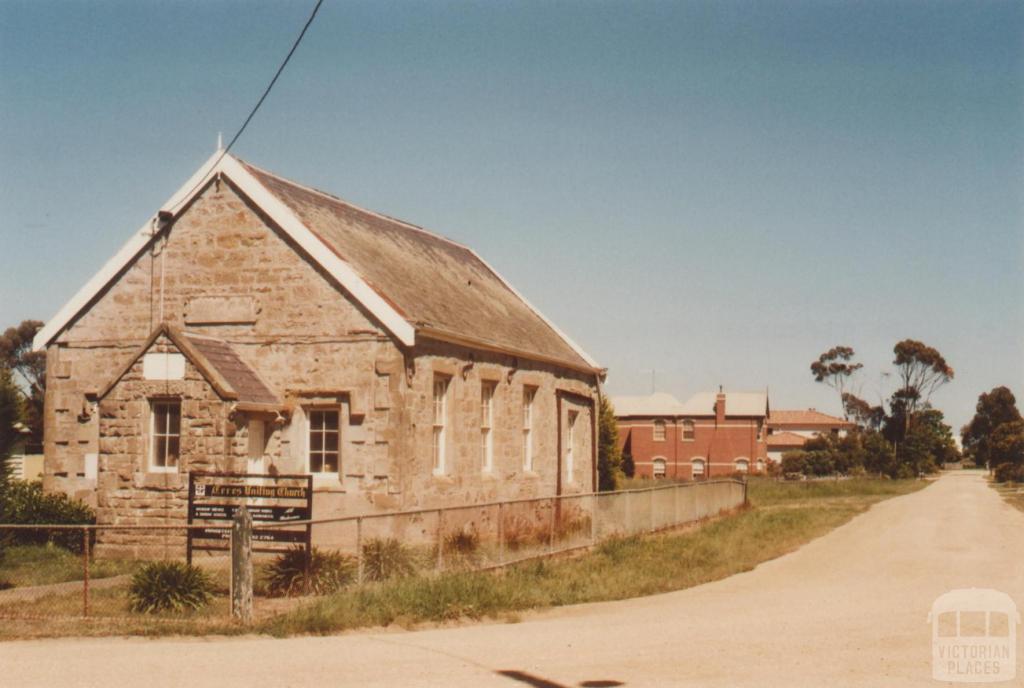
(609,458)
(995,408)
(29,366)
(835,368)
(921,370)
(10,413)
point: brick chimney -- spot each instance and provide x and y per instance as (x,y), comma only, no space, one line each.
(720,406)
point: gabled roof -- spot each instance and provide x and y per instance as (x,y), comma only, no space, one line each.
(412,281)
(226,372)
(652,405)
(786,439)
(806,417)
(736,404)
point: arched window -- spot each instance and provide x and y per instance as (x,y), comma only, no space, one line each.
(698,468)
(760,465)
(659,431)
(742,465)
(659,468)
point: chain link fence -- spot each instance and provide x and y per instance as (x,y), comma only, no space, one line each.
(109,572)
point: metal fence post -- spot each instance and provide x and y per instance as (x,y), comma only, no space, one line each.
(501,534)
(241,566)
(675,504)
(85,572)
(551,534)
(594,500)
(440,539)
(359,550)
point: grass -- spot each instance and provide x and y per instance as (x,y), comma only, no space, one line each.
(1013,493)
(29,565)
(782,517)
(617,569)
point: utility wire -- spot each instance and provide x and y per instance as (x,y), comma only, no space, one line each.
(263,97)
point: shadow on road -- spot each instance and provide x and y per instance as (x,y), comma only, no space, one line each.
(538,682)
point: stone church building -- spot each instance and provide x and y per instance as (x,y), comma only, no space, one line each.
(257,325)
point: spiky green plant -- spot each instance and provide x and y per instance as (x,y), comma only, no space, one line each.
(385,558)
(328,572)
(169,586)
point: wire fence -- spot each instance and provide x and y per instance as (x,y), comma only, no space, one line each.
(98,571)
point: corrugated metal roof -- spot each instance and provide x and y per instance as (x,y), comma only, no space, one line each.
(658,404)
(736,404)
(434,283)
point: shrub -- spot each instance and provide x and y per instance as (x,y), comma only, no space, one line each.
(1009,473)
(169,586)
(385,558)
(793,462)
(518,532)
(328,572)
(26,503)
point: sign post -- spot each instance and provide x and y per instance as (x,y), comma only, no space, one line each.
(241,566)
(217,498)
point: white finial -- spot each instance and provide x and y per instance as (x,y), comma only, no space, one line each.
(220,141)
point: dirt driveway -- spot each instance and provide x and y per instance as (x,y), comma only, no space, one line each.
(848,609)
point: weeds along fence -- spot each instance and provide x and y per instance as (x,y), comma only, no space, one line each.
(104,571)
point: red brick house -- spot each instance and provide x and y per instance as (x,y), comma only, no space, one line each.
(788,430)
(711,435)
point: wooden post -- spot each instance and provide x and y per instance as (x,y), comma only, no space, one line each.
(629,512)
(241,566)
(85,572)
(675,505)
(651,504)
(594,501)
(359,550)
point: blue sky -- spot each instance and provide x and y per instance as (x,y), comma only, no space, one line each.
(716,191)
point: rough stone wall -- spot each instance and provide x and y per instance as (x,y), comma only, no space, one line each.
(316,348)
(129,493)
(304,335)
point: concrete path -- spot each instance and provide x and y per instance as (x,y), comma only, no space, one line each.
(848,609)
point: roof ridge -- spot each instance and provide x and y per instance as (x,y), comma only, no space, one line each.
(336,199)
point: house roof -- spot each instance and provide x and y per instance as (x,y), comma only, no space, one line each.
(414,282)
(736,404)
(226,372)
(786,439)
(805,417)
(658,404)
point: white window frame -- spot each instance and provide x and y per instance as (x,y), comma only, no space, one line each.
(439,409)
(703,468)
(310,415)
(487,391)
(686,423)
(529,396)
(745,463)
(154,467)
(659,433)
(664,467)
(570,455)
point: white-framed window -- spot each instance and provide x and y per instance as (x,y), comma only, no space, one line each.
(528,396)
(487,426)
(165,435)
(659,431)
(660,468)
(324,440)
(688,430)
(760,465)
(742,465)
(570,445)
(698,468)
(440,423)
(256,430)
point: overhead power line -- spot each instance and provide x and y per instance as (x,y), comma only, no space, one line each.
(256,108)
